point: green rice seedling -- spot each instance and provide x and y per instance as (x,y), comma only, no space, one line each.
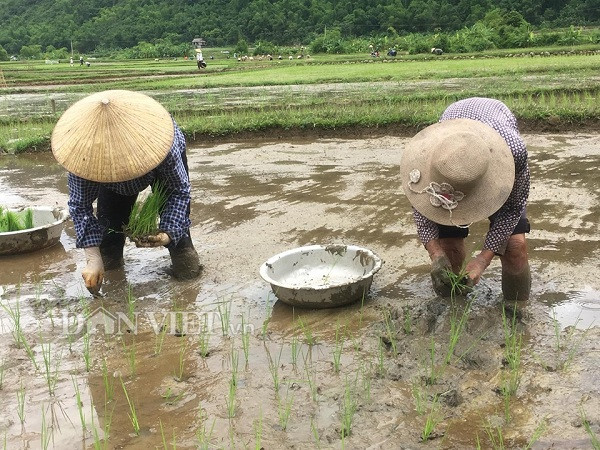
(181,362)
(390,331)
(171,398)
(495,436)
(130,303)
(203,434)
(79,404)
(457,327)
(338,348)
(295,348)
(458,282)
(159,338)
(29,352)
(162,435)
(366,380)
(12,222)
(419,398)
(179,331)
(594,440)
(46,433)
(21,403)
(143,220)
(537,434)
(245,336)
(311,378)
(87,358)
(225,316)
(132,413)
(107,381)
(274,368)
(230,399)
(315,432)
(567,348)
(258,430)
(309,338)
(101,443)
(204,339)
(513,342)
(235,358)
(14,314)
(284,410)
(431,421)
(432,371)
(130,354)
(51,374)
(349,408)
(28,218)
(380,357)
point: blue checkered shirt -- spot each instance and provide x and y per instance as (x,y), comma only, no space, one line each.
(497,115)
(171,172)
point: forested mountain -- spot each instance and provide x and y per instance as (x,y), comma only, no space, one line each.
(109,24)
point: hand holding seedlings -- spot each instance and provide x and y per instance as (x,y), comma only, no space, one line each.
(156,240)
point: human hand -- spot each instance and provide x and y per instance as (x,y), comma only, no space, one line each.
(476,267)
(93,274)
(440,269)
(157,240)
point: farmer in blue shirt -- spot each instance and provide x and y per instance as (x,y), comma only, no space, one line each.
(115,144)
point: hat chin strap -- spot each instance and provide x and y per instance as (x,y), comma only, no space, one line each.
(440,194)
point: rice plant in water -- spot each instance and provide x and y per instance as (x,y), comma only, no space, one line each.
(143,220)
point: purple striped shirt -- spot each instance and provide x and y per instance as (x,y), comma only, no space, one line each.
(172,174)
(497,115)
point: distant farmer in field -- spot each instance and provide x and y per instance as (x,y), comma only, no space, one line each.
(115,144)
(470,166)
(199,59)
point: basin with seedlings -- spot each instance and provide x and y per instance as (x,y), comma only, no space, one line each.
(28,229)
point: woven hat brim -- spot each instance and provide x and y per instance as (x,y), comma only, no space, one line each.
(485,198)
(113,136)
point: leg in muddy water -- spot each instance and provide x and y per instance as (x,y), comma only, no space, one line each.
(113,212)
(516,276)
(185,263)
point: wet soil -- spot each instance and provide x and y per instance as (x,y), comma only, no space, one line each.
(387,365)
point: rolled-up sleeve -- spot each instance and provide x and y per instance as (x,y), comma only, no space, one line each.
(82,193)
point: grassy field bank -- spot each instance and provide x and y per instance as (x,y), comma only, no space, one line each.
(320,93)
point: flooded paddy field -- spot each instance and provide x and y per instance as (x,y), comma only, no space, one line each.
(218,362)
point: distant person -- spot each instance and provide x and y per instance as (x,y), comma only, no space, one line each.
(81,60)
(470,166)
(71,61)
(115,144)
(199,59)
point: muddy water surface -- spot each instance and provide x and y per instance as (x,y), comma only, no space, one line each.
(157,346)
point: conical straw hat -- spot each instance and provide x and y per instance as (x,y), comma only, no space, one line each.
(457,171)
(113,136)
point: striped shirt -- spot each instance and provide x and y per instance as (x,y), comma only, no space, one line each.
(497,115)
(171,173)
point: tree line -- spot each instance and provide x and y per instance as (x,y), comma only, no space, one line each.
(85,26)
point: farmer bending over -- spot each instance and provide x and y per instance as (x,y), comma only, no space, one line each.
(470,166)
(115,144)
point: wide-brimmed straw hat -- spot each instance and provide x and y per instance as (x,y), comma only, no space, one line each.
(113,136)
(457,172)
